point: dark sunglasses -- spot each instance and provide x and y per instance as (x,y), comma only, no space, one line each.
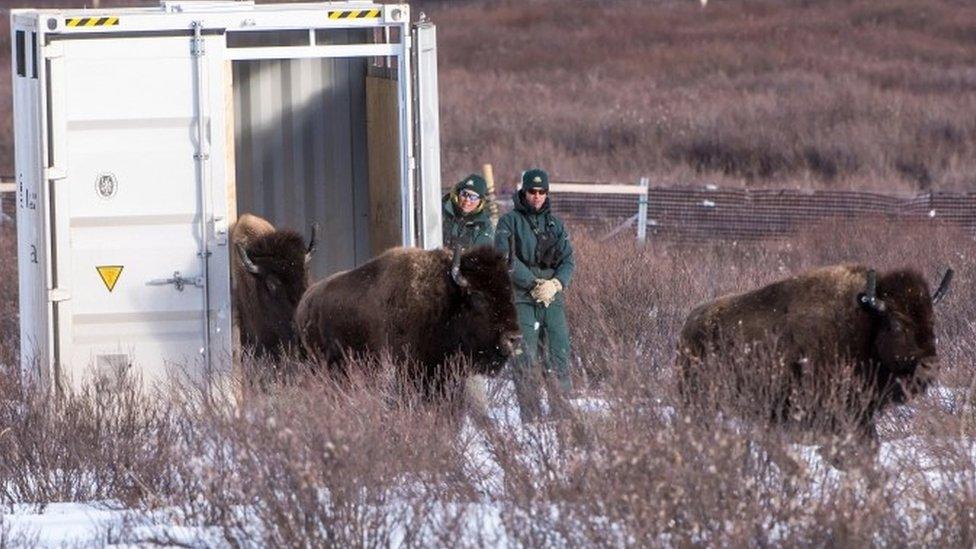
(537,191)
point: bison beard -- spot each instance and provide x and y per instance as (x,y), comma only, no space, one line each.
(818,329)
(407,302)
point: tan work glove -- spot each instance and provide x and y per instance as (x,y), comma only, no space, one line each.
(545,290)
(534,292)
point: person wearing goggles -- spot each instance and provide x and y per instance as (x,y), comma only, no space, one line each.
(465,219)
(542,270)
(466,224)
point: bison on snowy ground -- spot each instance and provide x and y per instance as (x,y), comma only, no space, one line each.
(420,306)
(269,274)
(813,326)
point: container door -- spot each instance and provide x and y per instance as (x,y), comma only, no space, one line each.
(427,138)
(30,199)
(133,215)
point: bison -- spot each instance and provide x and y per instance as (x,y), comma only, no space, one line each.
(269,274)
(880,328)
(420,306)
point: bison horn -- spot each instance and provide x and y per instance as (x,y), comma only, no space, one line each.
(456,270)
(869,299)
(246,260)
(312,242)
(943,286)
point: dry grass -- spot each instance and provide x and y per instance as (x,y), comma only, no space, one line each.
(842,93)
(818,93)
(313,462)
(838,93)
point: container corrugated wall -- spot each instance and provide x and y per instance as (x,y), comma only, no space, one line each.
(301,154)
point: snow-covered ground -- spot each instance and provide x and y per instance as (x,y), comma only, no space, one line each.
(99,524)
(107,523)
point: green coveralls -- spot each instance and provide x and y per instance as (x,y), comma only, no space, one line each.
(469,230)
(536,320)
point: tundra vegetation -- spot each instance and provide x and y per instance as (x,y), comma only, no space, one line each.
(362,462)
(817,93)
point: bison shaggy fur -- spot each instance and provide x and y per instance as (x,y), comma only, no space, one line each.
(816,324)
(265,296)
(406,303)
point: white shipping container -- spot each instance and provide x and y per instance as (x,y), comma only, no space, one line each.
(142,133)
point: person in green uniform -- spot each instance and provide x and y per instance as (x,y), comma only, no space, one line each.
(541,273)
(465,219)
(466,224)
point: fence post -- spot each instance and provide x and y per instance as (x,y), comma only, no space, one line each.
(489,174)
(6,186)
(642,210)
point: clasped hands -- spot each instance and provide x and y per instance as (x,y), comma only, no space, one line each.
(545,290)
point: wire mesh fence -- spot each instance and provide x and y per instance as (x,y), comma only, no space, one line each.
(711,213)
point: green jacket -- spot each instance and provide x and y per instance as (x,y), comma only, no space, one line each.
(469,230)
(527,226)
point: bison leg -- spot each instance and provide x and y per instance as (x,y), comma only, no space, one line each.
(476,395)
(430,383)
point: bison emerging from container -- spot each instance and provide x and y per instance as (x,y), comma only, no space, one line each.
(817,329)
(420,306)
(269,271)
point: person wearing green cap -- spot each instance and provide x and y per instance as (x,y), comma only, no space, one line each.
(541,272)
(467,224)
(466,220)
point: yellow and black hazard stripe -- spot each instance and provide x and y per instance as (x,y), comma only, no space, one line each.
(356,14)
(84,22)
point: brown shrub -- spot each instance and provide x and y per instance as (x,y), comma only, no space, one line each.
(106,442)
(314,462)
(304,460)
(757,92)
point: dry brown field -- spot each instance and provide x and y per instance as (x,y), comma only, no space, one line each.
(826,93)
(833,93)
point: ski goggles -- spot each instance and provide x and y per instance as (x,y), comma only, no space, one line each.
(469,195)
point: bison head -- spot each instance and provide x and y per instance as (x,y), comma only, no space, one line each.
(903,342)
(277,263)
(483,317)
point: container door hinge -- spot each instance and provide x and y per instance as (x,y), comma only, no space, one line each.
(197,48)
(55,174)
(57,294)
(54,50)
(220,230)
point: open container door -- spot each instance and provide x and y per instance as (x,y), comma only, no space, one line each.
(130,199)
(427,138)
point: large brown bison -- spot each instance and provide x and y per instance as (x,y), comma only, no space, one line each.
(814,326)
(420,306)
(269,274)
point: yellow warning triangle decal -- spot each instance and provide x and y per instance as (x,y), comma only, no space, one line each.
(110,275)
